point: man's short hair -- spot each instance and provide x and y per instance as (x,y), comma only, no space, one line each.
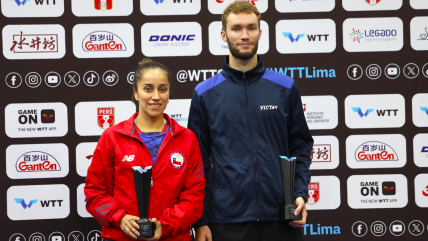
(239,7)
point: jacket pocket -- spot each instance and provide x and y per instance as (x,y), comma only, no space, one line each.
(220,182)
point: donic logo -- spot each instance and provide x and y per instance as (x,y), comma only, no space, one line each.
(290,36)
(37,161)
(103,41)
(358,110)
(23,2)
(24,205)
(375,151)
(425,109)
(166,38)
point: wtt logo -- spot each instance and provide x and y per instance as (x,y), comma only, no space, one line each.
(43,203)
(311,38)
(424,109)
(24,205)
(390,112)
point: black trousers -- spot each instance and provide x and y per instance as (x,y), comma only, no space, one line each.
(255,231)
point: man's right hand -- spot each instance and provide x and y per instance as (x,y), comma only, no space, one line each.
(203,234)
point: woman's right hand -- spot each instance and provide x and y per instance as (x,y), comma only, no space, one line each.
(129,225)
(203,234)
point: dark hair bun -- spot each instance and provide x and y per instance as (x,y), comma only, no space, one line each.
(146,61)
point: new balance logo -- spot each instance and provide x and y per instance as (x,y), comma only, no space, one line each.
(24,205)
(268,107)
(290,36)
(358,110)
(129,158)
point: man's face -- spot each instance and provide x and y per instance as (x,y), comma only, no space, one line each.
(242,34)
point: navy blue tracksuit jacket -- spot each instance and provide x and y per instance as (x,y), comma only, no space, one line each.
(245,121)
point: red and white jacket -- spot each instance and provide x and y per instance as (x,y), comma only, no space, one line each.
(177,194)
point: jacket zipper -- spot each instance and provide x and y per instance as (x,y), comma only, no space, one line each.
(252,144)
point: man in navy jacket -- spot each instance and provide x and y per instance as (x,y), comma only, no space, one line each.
(244,118)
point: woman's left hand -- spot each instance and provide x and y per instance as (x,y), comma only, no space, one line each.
(158,231)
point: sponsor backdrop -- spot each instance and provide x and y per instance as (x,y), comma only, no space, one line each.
(67,67)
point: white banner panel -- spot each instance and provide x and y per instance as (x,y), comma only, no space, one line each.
(305,36)
(419,34)
(421,190)
(419,4)
(377,191)
(37,161)
(171,39)
(375,111)
(373,34)
(376,151)
(103,40)
(219,47)
(84,153)
(420,150)
(33,41)
(36,120)
(324,193)
(179,110)
(34,8)
(92,118)
(302,6)
(420,110)
(321,111)
(371,5)
(99,8)
(81,202)
(218,6)
(170,7)
(325,153)
(38,202)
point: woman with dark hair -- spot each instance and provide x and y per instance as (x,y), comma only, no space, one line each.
(149,138)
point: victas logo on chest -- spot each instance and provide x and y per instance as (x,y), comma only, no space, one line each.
(268,107)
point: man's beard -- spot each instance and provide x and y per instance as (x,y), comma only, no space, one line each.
(242,55)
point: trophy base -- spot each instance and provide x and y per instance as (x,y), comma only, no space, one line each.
(147,228)
(287,213)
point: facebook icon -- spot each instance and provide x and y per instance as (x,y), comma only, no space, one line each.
(355,72)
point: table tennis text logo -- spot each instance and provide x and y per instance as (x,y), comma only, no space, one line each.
(372,2)
(105,117)
(313,193)
(321,153)
(356,35)
(34,43)
(375,151)
(37,161)
(103,41)
(103,4)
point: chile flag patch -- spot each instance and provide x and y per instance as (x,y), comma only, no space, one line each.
(177,160)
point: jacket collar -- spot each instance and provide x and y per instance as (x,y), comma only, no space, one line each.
(240,76)
(128,127)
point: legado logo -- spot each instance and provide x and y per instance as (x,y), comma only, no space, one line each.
(24,162)
(38,202)
(364,191)
(34,41)
(306,36)
(374,111)
(170,7)
(195,75)
(371,5)
(103,40)
(376,151)
(104,114)
(36,120)
(305,72)
(171,39)
(309,229)
(304,6)
(105,117)
(372,34)
(33,8)
(327,187)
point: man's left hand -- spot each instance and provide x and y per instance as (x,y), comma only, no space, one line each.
(301,207)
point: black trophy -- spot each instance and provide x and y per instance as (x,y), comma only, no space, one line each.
(143,182)
(288,169)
